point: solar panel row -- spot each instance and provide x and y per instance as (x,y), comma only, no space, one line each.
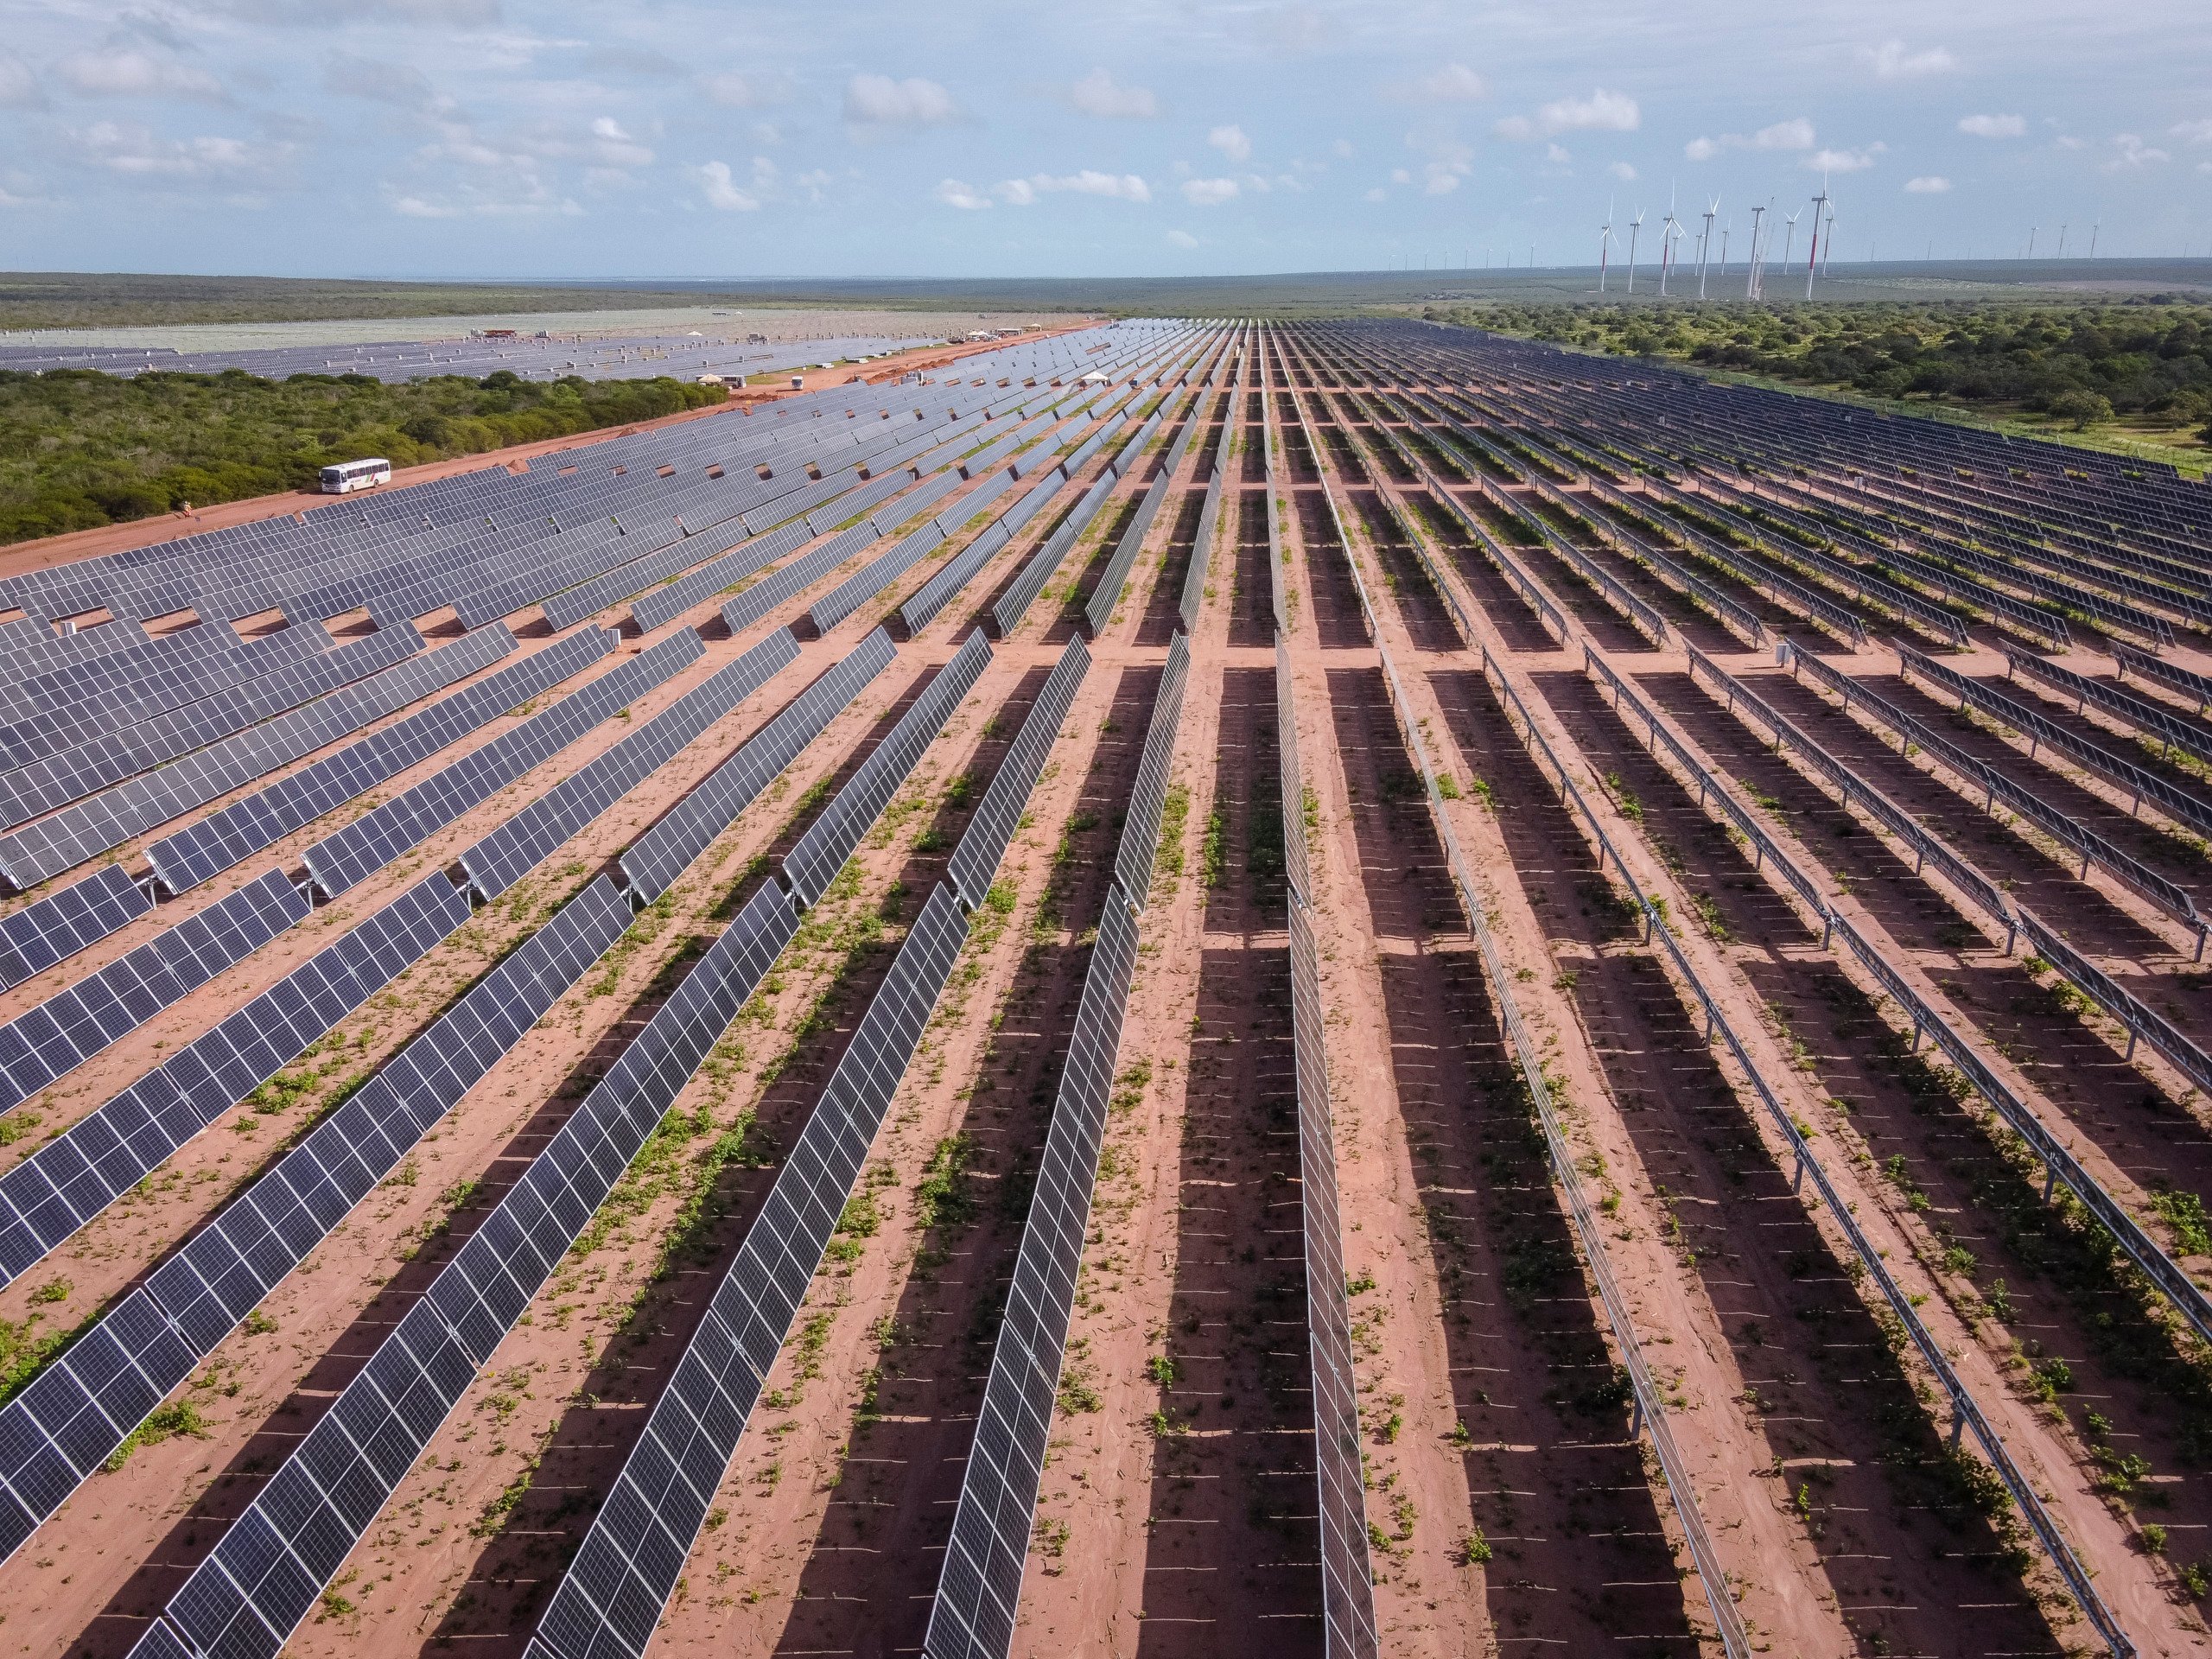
(1298,870)
(1029,581)
(223,839)
(111,817)
(974,861)
(245,1598)
(875,576)
(812,864)
(662,853)
(61,925)
(933,595)
(505,856)
(740,559)
(1140,845)
(794,578)
(47,1042)
(1115,575)
(59,1187)
(1347,1580)
(387,829)
(76,1411)
(612,1596)
(979,1587)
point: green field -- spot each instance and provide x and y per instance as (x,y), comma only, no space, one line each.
(79,449)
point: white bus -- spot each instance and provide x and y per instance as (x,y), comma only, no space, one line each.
(355,475)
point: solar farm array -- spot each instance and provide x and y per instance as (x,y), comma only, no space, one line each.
(624,356)
(1195,988)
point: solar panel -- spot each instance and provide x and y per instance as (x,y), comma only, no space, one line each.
(52,1437)
(505,856)
(975,860)
(69,1180)
(830,839)
(113,817)
(664,604)
(1347,1580)
(794,578)
(611,1597)
(47,1042)
(875,576)
(1115,575)
(662,853)
(386,831)
(938,592)
(1021,593)
(1140,844)
(223,839)
(61,925)
(1294,796)
(264,1574)
(1194,578)
(979,1587)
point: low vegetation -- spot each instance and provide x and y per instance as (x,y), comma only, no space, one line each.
(79,449)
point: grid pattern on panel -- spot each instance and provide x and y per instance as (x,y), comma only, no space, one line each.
(904,507)
(2168,726)
(502,858)
(874,577)
(70,1179)
(387,831)
(1022,591)
(74,774)
(662,853)
(1132,860)
(44,733)
(75,1413)
(1115,575)
(225,838)
(61,925)
(263,1575)
(731,564)
(934,595)
(965,509)
(1347,1581)
(830,840)
(976,860)
(979,1587)
(795,577)
(612,1596)
(1293,783)
(111,817)
(47,1042)
(86,676)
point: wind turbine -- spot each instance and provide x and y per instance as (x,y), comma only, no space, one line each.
(1667,243)
(2093,237)
(2061,239)
(1634,225)
(1813,254)
(1790,241)
(1751,265)
(1726,226)
(1704,244)
(1827,251)
(2032,229)
(1605,247)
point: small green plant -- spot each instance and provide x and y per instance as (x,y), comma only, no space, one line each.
(1474,1549)
(2154,1539)
(258,1324)
(1162,1369)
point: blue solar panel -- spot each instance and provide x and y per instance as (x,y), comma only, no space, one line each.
(61,925)
(976,860)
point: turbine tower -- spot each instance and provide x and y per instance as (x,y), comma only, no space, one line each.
(1605,247)
(1634,225)
(1813,254)
(1667,228)
(1704,244)
(1758,253)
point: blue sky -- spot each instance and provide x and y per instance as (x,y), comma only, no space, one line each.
(499,138)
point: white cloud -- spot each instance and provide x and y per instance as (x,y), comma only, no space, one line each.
(612,147)
(1023,192)
(1844,160)
(878,100)
(1453,84)
(1231,142)
(737,91)
(2189,132)
(722,192)
(1602,112)
(955,194)
(1098,94)
(1621,171)
(2133,152)
(1377,192)
(1182,239)
(135,74)
(1210,192)
(18,88)
(1891,60)
(1794,134)
(137,153)
(1993,126)
(1557,155)
(1933,185)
